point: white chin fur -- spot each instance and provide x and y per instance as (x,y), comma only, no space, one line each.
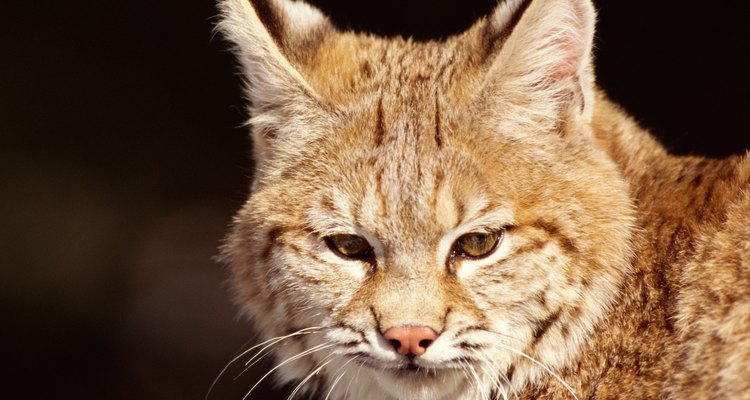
(419,386)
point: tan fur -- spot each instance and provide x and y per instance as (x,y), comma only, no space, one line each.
(624,271)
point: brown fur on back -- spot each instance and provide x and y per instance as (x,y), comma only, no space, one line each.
(682,328)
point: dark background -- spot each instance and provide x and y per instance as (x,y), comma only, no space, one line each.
(122,161)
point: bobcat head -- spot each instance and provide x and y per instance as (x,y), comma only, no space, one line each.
(427,220)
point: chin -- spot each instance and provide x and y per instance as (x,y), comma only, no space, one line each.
(408,384)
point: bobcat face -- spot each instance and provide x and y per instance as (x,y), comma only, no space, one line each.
(428,220)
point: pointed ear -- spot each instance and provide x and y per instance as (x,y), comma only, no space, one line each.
(543,70)
(273,40)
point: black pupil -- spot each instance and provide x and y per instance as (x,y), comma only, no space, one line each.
(477,241)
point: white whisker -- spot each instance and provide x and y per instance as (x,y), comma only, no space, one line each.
(464,367)
(288,360)
(510,385)
(478,381)
(275,340)
(494,377)
(247,368)
(532,359)
(493,380)
(307,378)
(497,376)
(355,378)
(338,378)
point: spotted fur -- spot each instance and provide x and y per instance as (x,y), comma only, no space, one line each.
(624,271)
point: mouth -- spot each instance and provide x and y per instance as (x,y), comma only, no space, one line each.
(412,367)
(409,370)
(414,374)
(414,381)
(412,371)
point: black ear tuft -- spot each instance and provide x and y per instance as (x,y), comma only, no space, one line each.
(271,18)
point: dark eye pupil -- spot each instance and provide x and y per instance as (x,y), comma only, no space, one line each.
(476,241)
(350,246)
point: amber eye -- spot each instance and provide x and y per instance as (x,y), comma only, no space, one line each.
(477,244)
(350,246)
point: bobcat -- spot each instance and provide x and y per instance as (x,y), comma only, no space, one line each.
(474,219)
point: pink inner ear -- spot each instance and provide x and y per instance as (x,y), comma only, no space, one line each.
(572,51)
(552,41)
(570,39)
(546,66)
(576,45)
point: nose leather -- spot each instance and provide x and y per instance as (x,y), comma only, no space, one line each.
(410,340)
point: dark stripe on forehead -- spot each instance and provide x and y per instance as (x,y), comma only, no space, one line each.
(379,124)
(382,201)
(438,135)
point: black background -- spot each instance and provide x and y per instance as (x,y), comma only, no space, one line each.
(122,161)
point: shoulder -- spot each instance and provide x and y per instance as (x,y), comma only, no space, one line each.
(713,308)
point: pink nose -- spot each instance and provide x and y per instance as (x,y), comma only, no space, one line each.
(410,340)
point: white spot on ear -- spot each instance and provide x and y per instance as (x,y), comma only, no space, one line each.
(504,13)
(303,17)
